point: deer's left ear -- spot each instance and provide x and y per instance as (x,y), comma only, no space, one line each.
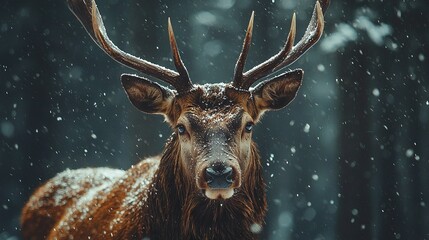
(146,95)
(276,93)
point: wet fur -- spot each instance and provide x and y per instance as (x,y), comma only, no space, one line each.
(157,198)
(171,208)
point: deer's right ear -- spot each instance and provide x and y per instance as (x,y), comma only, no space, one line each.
(146,95)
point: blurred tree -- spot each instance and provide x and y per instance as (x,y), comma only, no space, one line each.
(31,95)
(382,193)
(354,156)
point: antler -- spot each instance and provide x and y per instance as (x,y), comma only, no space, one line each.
(287,55)
(87,13)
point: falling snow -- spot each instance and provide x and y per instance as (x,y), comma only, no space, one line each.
(306,128)
(351,148)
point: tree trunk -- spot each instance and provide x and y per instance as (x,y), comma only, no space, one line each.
(354,157)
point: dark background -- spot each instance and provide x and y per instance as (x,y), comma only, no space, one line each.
(348,159)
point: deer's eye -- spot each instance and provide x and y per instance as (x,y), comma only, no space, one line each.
(248,127)
(181,129)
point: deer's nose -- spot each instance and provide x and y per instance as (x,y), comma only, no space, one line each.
(219,176)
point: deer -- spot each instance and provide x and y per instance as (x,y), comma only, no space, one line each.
(208,181)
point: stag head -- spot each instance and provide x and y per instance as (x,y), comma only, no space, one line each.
(213,122)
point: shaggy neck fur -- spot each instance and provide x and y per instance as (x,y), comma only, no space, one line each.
(177,210)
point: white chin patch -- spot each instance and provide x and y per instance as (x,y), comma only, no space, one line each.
(219,193)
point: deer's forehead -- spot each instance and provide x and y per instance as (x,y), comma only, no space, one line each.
(213,103)
(212,96)
(220,116)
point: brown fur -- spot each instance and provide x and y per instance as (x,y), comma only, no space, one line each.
(173,209)
(174,196)
(157,198)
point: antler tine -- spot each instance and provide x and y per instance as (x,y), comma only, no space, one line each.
(266,67)
(239,66)
(88,14)
(324,4)
(185,82)
(311,36)
(129,60)
(289,53)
